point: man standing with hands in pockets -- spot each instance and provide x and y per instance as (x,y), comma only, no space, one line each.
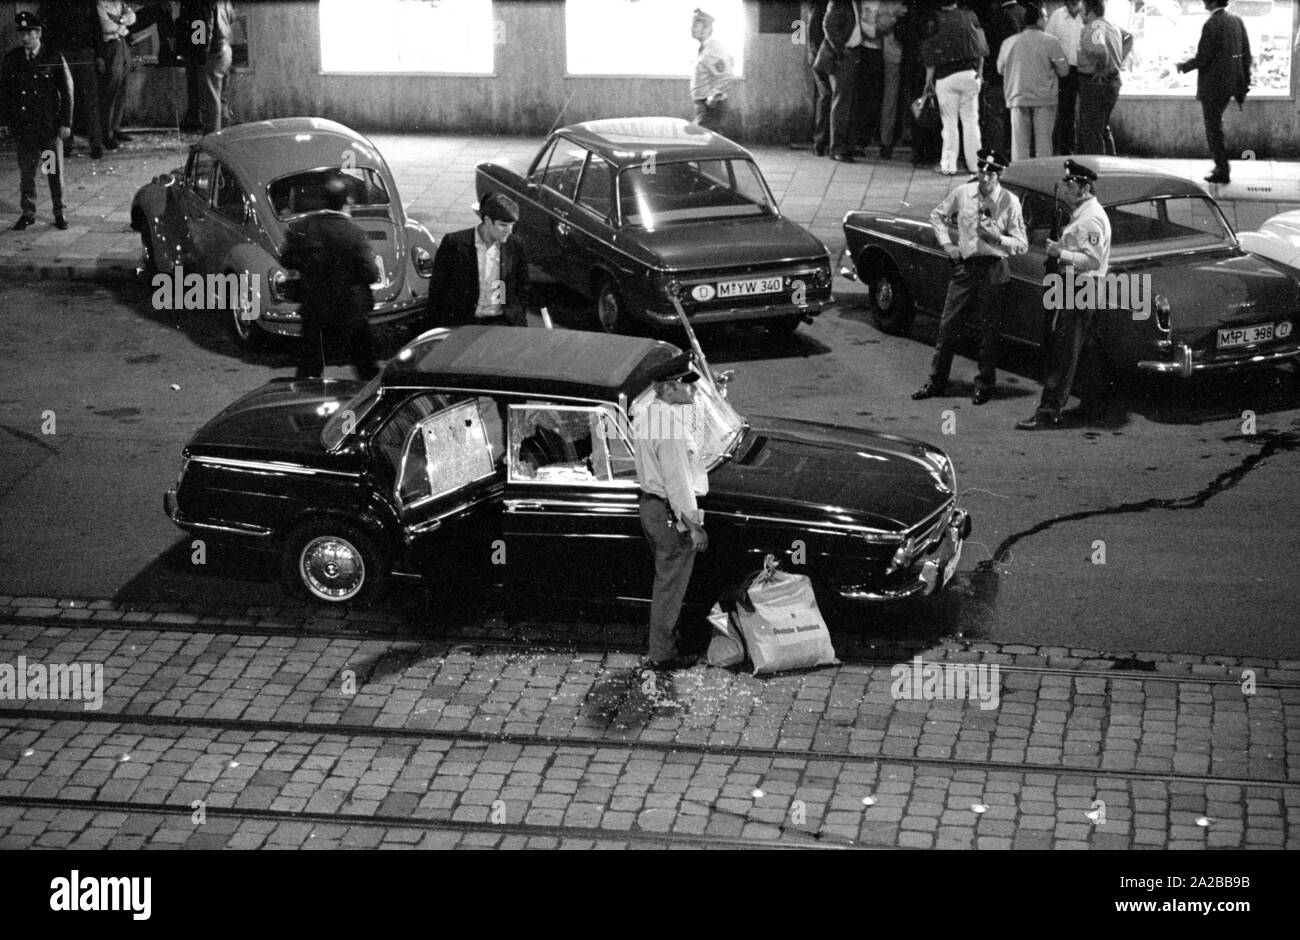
(672,477)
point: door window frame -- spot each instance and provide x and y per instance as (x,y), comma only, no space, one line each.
(605,410)
(405,506)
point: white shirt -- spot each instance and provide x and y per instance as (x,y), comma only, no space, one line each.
(1085,242)
(667,457)
(491,289)
(1069,30)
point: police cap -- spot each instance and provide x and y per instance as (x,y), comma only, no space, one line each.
(677,369)
(990,159)
(1078,173)
(26,21)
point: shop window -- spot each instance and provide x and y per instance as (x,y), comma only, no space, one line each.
(447,37)
(1166,32)
(597,36)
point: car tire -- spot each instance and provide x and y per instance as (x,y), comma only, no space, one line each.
(611,310)
(248,336)
(891,304)
(782,326)
(333,562)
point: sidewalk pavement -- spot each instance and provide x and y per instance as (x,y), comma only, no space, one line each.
(435,176)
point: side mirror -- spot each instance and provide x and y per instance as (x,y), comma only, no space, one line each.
(723,379)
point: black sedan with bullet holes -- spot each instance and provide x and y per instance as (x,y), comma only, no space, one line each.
(508,453)
(639,212)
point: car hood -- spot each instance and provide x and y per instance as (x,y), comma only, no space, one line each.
(282,419)
(729,243)
(1221,288)
(821,473)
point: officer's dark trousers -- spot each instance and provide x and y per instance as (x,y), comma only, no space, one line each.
(971,291)
(85,84)
(674,560)
(43,155)
(1212,111)
(1067,343)
(1067,94)
(112,88)
(1096,101)
(844,94)
(995,118)
(821,137)
(323,338)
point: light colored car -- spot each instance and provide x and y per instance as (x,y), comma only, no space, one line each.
(228,211)
(1278,239)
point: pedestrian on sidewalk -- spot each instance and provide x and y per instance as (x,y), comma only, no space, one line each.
(812,14)
(113,62)
(838,59)
(672,478)
(713,78)
(1066,24)
(1084,252)
(219,21)
(1102,48)
(989,227)
(953,57)
(1222,66)
(71,29)
(336,267)
(36,99)
(1001,22)
(1032,63)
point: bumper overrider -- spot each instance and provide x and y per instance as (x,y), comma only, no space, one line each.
(930,570)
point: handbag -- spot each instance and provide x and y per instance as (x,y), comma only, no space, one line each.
(925,111)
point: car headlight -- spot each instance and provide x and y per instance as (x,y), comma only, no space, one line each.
(822,276)
(281,285)
(422,260)
(1162,312)
(671,288)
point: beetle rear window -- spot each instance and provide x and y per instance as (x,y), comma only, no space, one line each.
(305,192)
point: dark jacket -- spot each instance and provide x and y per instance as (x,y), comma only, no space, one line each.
(1222,61)
(838,24)
(36,96)
(1000,22)
(331,254)
(453,288)
(812,15)
(957,44)
(71,28)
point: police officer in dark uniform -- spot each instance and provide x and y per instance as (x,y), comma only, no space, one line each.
(36,98)
(336,266)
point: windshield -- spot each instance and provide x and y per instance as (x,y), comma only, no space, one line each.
(695,191)
(1177,223)
(348,418)
(717,427)
(305,192)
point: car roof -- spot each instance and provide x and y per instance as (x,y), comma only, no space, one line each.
(565,363)
(1119,179)
(267,150)
(625,141)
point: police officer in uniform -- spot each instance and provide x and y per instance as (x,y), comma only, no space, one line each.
(990,227)
(336,267)
(672,477)
(1084,252)
(36,97)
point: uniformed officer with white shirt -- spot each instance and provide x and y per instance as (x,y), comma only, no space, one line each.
(672,477)
(1084,252)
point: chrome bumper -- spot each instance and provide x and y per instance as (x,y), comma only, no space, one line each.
(935,572)
(742,314)
(172,508)
(1185,368)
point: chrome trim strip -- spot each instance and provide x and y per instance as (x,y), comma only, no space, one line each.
(272,466)
(1185,367)
(836,528)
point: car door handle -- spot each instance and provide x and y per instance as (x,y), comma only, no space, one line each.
(514,505)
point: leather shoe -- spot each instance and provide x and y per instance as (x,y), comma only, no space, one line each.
(23,222)
(982,396)
(1039,421)
(843,158)
(928,390)
(819,150)
(672,665)
(1217,178)
(60,222)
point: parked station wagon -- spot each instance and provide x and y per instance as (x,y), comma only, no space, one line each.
(507,452)
(638,212)
(1208,303)
(228,211)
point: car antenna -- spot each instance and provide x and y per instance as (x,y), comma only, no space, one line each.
(561,114)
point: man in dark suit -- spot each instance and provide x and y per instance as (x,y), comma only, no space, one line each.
(838,60)
(336,267)
(812,14)
(480,274)
(36,103)
(72,29)
(1222,64)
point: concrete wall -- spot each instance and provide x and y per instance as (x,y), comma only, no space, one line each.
(530,89)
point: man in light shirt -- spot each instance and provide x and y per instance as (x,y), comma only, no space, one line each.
(1102,48)
(480,274)
(113,61)
(1031,63)
(671,477)
(713,78)
(1066,24)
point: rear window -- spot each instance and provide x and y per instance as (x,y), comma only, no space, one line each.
(1179,223)
(692,191)
(305,192)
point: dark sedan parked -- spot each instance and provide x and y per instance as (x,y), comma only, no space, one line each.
(638,212)
(507,452)
(1193,299)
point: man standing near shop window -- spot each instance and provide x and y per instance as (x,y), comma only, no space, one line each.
(1102,48)
(713,77)
(219,24)
(839,58)
(1222,66)
(113,62)
(1066,24)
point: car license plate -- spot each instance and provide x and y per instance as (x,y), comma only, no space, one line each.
(1245,335)
(757,285)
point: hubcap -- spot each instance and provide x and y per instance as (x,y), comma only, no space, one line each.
(607,309)
(332,568)
(884,294)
